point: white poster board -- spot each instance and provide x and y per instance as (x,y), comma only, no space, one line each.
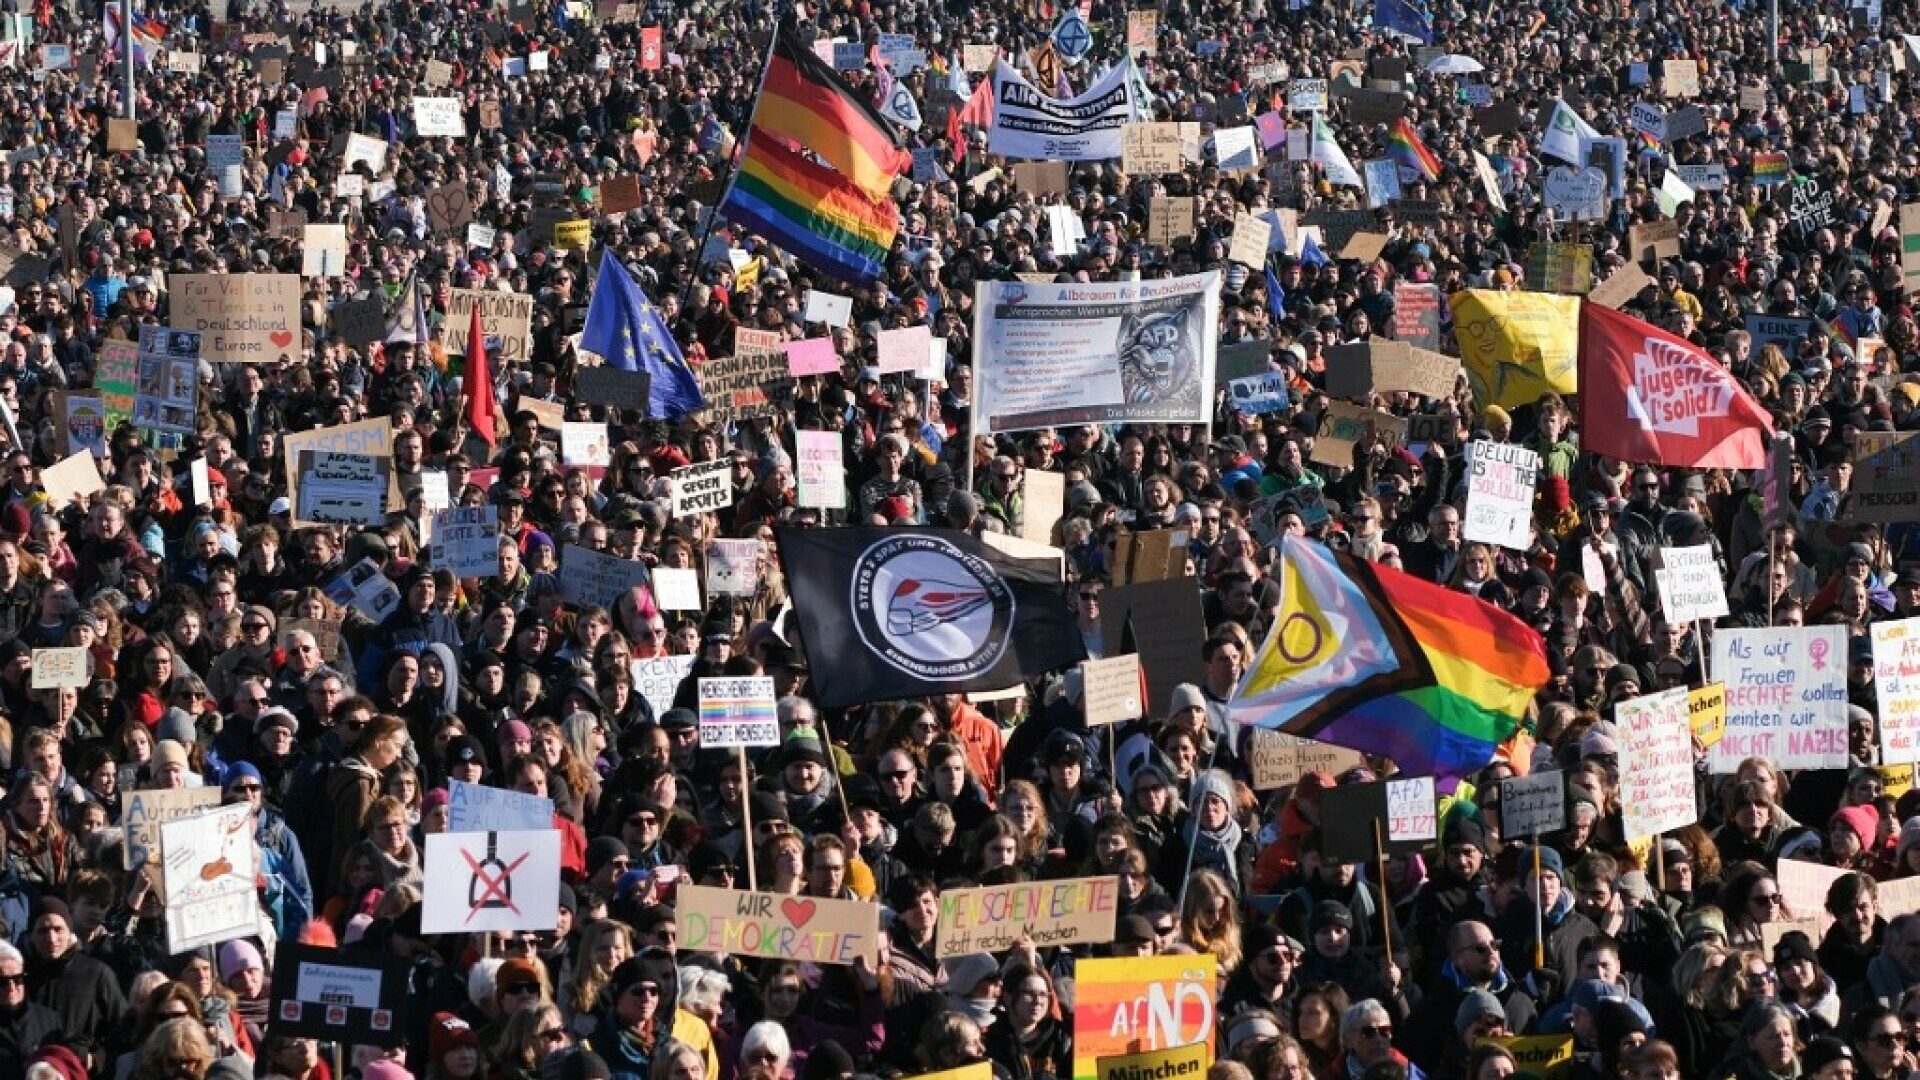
(822,479)
(1690,585)
(1656,763)
(1896,680)
(486,881)
(210,870)
(466,540)
(1500,479)
(1786,696)
(738,712)
(481,808)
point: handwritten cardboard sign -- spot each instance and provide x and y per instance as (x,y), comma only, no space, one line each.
(1072,911)
(241,318)
(61,667)
(1533,804)
(775,927)
(1110,689)
(703,487)
(1278,759)
(1656,763)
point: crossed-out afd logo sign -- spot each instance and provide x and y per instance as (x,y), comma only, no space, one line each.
(930,609)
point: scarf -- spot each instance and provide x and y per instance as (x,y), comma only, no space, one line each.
(1216,849)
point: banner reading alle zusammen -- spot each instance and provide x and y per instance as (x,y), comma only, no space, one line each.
(1029,124)
(1117,352)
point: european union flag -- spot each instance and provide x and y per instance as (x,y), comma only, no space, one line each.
(628,330)
(1408,18)
(1276,296)
(1311,255)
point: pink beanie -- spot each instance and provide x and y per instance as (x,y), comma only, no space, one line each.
(237,956)
(384,1069)
(1863,820)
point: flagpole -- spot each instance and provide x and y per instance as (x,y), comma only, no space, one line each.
(126,52)
(739,153)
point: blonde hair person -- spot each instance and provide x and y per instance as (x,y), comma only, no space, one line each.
(675,1060)
(1210,919)
(604,945)
(176,1050)
(529,1038)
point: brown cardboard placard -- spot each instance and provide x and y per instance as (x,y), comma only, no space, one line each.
(1364,246)
(122,135)
(1680,78)
(490,114)
(1041,177)
(1653,240)
(1344,424)
(1151,149)
(241,318)
(1170,220)
(776,927)
(1063,911)
(620,194)
(1625,284)
(505,316)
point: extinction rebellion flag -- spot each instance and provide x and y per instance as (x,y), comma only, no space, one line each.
(894,613)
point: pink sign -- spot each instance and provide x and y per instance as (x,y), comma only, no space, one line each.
(904,350)
(812,356)
(1273,129)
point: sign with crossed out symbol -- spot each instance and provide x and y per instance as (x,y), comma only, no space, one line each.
(485,881)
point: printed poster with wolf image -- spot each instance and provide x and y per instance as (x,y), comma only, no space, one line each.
(1101,353)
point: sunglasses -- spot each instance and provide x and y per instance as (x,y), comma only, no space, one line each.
(521,988)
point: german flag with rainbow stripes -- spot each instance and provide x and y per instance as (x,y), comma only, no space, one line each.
(839,216)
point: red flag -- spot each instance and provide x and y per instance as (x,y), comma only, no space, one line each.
(1651,398)
(978,112)
(478,383)
(650,48)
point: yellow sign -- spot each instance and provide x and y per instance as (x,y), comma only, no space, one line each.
(575,234)
(1544,1056)
(982,1070)
(1517,345)
(1707,708)
(1179,1063)
(1897,778)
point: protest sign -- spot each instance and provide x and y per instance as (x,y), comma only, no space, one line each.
(1358,370)
(1803,889)
(1416,315)
(72,477)
(1656,763)
(466,540)
(167,385)
(822,480)
(811,356)
(208,882)
(676,589)
(438,118)
(584,442)
(1179,1062)
(359,322)
(367,437)
(1044,494)
(1533,804)
(658,679)
(904,349)
(1786,696)
(505,318)
(1707,712)
(65,666)
(1110,689)
(486,881)
(1278,759)
(701,488)
(358,997)
(1500,480)
(738,712)
(1344,425)
(366,589)
(343,489)
(775,927)
(1071,911)
(84,426)
(241,318)
(611,386)
(733,566)
(1031,125)
(1359,820)
(143,812)
(1132,1005)
(826,307)
(323,250)
(1690,585)
(1108,352)
(1170,220)
(1886,482)
(483,808)
(737,386)
(1544,1057)
(1896,679)
(591,577)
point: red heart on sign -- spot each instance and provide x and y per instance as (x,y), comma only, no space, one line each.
(798,912)
(282,339)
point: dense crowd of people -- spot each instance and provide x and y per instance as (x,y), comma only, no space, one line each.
(222,653)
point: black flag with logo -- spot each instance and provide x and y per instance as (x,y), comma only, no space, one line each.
(897,613)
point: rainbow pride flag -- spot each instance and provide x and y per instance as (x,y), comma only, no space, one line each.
(1407,151)
(1370,658)
(1770,169)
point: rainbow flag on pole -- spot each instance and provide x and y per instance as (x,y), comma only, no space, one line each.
(1407,151)
(1370,658)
